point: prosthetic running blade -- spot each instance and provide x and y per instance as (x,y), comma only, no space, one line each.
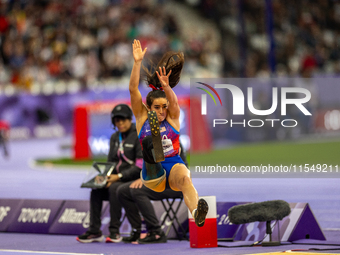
(156,136)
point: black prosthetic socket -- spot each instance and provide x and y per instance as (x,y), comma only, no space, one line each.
(148,154)
(153,169)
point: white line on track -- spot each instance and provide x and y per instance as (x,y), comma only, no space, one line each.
(50,252)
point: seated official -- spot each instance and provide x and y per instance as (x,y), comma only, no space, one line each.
(126,151)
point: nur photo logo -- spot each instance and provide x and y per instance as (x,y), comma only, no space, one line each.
(288,96)
(204,97)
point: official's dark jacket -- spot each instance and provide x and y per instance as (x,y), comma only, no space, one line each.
(132,150)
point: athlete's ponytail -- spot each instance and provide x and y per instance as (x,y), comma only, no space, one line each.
(171,60)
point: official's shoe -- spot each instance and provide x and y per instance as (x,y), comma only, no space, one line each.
(89,237)
(201,212)
(114,238)
(153,237)
(134,236)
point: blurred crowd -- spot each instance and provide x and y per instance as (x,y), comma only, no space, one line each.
(306,35)
(86,40)
(90,40)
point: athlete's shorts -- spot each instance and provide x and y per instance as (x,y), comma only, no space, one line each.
(167,164)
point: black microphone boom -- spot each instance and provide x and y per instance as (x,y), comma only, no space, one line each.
(263,211)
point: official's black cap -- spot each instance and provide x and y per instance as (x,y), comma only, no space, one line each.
(121,110)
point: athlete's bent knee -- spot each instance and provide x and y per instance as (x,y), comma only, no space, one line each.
(183,181)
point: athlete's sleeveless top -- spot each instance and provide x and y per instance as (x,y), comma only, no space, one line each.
(170,137)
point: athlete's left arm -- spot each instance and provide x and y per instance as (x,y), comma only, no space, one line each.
(173,107)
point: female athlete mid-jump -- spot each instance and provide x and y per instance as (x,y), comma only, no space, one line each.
(159,119)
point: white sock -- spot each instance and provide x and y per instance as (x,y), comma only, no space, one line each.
(193,213)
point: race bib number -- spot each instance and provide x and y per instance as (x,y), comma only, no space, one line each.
(167,145)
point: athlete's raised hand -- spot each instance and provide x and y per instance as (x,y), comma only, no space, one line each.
(138,53)
(163,78)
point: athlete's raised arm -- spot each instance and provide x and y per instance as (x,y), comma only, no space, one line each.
(173,107)
(136,97)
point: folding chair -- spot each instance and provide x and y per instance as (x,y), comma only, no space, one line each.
(168,204)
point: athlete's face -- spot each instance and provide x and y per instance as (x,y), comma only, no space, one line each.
(122,124)
(160,106)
